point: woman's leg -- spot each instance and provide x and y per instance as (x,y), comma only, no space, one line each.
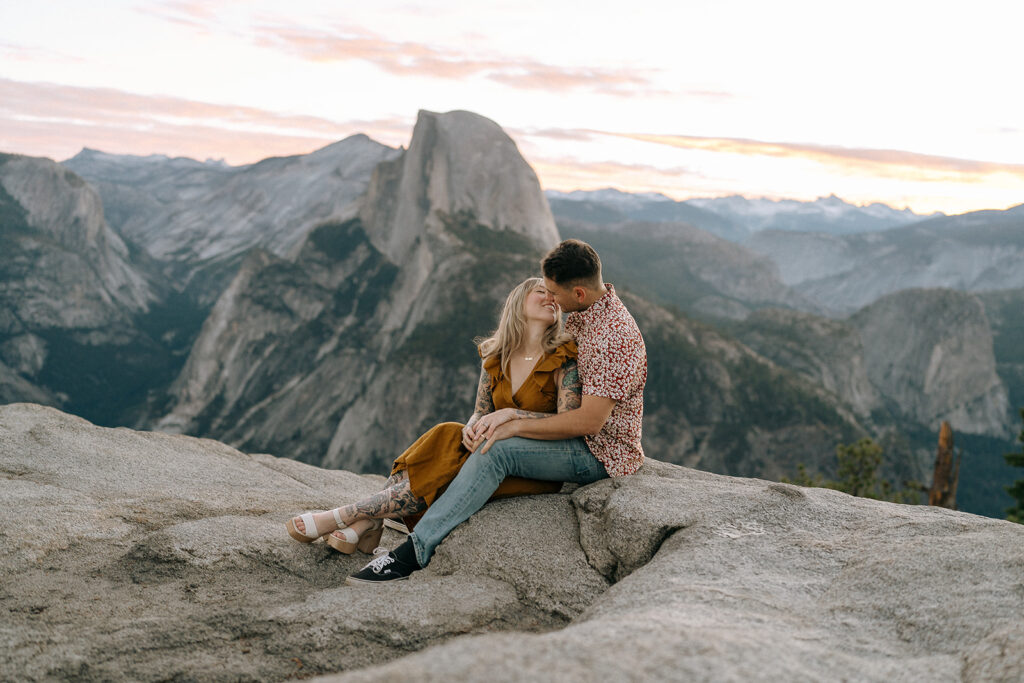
(395,501)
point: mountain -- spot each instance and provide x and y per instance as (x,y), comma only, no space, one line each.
(829,215)
(347,352)
(77,303)
(904,364)
(734,218)
(202,218)
(600,207)
(976,251)
(343,356)
(152,557)
(684,267)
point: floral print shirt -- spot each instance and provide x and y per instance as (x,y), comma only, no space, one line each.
(612,362)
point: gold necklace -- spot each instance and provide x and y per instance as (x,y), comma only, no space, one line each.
(529,357)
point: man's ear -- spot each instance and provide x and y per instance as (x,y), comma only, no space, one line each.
(579,293)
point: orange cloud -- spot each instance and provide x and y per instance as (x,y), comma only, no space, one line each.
(887,163)
(43,119)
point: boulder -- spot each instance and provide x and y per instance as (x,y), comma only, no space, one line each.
(146,556)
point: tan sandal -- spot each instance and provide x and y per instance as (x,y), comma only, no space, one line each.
(308,523)
(365,542)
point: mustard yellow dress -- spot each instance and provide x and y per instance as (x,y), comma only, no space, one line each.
(436,457)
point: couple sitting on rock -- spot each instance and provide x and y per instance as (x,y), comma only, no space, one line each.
(548,410)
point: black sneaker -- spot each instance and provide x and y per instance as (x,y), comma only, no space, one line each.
(394,565)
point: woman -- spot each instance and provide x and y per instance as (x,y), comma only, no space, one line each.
(528,371)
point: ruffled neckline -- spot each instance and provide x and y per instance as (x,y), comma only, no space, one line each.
(551,362)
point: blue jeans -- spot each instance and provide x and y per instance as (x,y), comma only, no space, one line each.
(566,460)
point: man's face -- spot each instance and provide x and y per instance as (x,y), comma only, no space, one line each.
(569,299)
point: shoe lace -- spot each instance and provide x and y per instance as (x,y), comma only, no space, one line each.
(382,558)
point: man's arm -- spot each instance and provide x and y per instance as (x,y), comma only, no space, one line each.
(587,419)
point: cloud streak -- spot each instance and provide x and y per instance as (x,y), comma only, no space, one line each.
(406,58)
(57,121)
(889,163)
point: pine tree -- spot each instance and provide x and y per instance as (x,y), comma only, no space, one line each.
(1016,513)
(858,469)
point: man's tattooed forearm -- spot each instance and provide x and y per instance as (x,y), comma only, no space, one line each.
(484,399)
(529,414)
(570,393)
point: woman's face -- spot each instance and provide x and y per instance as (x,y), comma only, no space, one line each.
(540,305)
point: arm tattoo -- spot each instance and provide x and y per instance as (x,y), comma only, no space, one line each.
(529,414)
(570,392)
(484,399)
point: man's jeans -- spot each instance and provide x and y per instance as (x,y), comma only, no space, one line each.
(567,460)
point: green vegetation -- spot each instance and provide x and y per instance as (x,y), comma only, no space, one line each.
(858,475)
(1016,513)
(484,240)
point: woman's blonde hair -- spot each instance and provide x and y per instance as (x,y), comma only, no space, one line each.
(512,327)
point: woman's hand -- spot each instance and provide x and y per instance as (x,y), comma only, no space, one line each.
(485,426)
(469,439)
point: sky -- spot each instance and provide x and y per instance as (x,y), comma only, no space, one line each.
(913,104)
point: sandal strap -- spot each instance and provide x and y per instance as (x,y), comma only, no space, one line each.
(309,524)
(350,535)
(337,518)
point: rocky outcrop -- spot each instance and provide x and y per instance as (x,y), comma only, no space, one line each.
(151,557)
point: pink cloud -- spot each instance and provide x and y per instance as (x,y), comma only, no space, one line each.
(417,59)
(42,119)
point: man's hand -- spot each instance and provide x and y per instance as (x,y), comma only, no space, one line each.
(502,431)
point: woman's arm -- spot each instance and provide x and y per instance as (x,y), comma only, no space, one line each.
(484,406)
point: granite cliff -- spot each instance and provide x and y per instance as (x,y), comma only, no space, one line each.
(71,292)
(923,356)
(148,556)
(201,219)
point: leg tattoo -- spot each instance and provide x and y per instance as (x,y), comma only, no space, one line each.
(395,501)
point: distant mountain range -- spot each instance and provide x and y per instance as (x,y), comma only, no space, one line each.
(734,218)
(321,306)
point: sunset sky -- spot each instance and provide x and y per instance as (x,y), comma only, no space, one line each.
(915,104)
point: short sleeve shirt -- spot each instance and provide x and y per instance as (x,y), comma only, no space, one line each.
(612,362)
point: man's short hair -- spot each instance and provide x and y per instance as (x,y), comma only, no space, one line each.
(573,263)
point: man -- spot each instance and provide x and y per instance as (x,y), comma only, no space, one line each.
(598,439)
